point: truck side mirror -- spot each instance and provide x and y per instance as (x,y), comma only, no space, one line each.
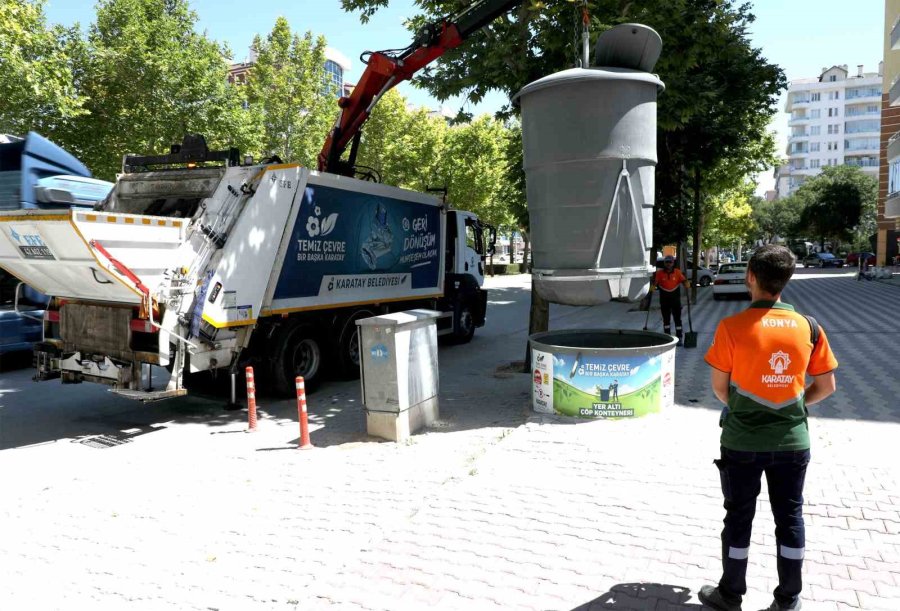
(51,195)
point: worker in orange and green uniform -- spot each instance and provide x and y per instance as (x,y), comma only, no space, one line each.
(669,280)
(761,360)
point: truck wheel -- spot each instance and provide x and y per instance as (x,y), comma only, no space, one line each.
(463,322)
(298,352)
(348,346)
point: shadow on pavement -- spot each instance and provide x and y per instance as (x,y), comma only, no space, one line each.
(640,596)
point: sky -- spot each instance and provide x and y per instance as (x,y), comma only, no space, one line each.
(801,36)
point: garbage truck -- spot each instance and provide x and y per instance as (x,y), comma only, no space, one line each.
(198,262)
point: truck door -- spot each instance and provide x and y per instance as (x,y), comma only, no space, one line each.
(473,255)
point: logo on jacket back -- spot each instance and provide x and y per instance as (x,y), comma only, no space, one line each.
(779,362)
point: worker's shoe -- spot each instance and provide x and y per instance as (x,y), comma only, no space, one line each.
(777,606)
(711,597)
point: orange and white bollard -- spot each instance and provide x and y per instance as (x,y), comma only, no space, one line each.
(305,443)
(251,400)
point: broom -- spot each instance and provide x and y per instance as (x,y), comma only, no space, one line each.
(649,299)
(690,338)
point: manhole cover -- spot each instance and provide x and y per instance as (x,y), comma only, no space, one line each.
(111,440)
(107,441)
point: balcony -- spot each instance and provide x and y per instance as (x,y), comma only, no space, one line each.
(863,127)
(895,36)
(864,113)
(798,120)
(893,147)
(794,137)
(892,206)
(894,93)
(864,162)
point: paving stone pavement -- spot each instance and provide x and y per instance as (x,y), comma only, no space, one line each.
(494,507)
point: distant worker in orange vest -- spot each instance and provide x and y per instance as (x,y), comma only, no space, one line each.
(669,280)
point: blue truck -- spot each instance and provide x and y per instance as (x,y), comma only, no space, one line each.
(36,174)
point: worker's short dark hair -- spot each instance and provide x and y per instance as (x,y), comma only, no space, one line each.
(773,266)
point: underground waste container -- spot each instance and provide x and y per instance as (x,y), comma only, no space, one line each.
(398,366)
(602,373)
(589,145)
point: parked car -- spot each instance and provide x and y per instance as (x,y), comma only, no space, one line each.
(822,259)
(854,257)
(705,276)
(730,281)
(21,324)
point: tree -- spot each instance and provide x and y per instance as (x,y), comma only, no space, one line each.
(713,117)
(403,146)
(835,202)
(292,103)
(147,78)
(778,218)
(729,216)
(473,167)
(37,84)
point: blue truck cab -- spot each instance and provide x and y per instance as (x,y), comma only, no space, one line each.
(36,174)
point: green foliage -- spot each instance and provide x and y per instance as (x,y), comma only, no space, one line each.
(147,78)
(713,116)
(37,81)
(729,216)
(403,146)
(778,218)
(291,103)
(473,167)
(839,204)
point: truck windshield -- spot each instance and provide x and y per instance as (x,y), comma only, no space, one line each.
(474,236)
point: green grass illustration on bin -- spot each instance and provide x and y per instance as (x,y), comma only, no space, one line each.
(570,400)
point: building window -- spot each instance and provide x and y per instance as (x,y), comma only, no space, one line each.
(815,130)
(832,78)
(814,147)
(862,144)
(894,176)
(816,97)
(814,163)
(863,92)
(868,125)
(815,114)
(334,77)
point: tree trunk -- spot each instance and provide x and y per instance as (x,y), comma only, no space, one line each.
(526,252)
(538,321)
(698,231)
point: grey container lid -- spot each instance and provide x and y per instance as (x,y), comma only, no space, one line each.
(629,45)
(574,75)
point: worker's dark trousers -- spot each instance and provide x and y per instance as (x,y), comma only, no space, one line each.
(741,473)
(670,304)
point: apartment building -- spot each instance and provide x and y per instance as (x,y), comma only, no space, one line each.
(835,119)
(888,240)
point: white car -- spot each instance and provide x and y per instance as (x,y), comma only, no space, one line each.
(730,281)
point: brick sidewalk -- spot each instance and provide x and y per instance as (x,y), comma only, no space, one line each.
(493,508)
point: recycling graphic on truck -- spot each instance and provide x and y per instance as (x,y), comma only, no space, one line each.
(351,245)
